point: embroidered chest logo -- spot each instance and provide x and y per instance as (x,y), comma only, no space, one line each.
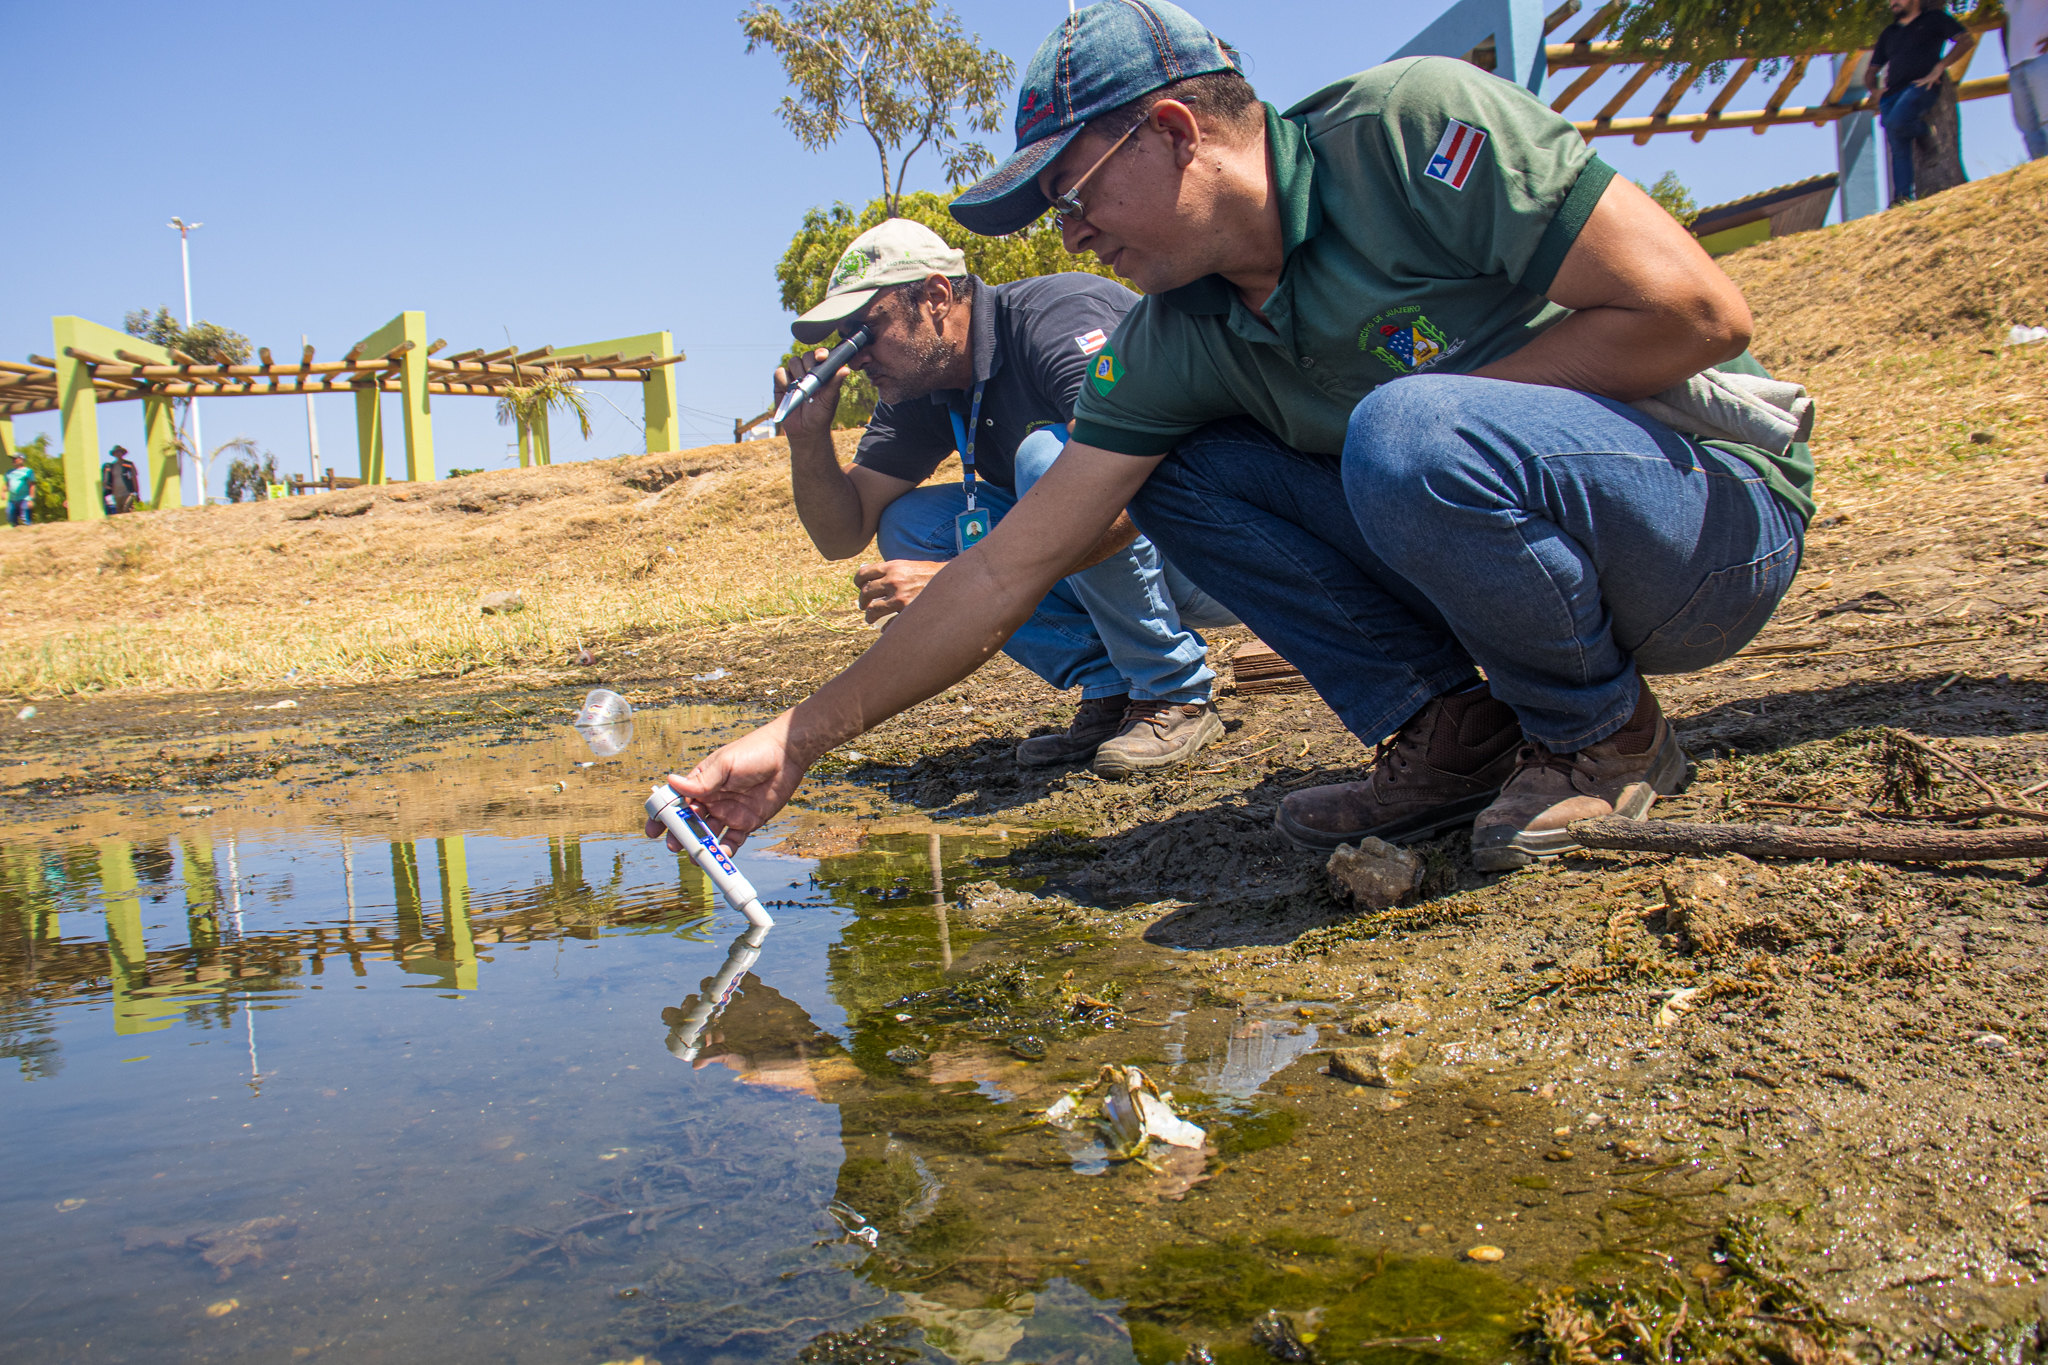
(1091,342)
(1456,151)
(1105,372)
(1406,341)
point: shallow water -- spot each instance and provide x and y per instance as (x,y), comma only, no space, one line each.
(450,1063)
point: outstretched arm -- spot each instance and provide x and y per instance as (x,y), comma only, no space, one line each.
(961,618)
(1652,308)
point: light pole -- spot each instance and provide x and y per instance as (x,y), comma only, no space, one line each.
(191,404)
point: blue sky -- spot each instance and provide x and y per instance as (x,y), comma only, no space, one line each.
(552,174)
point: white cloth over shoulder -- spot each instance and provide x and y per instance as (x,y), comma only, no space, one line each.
(1716,405)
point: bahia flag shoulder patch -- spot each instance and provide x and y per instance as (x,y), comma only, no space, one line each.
(1091,342)
(1455,154)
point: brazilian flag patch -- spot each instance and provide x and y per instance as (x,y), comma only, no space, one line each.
(1105,371)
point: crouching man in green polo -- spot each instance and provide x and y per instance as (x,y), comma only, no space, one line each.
(1456,419)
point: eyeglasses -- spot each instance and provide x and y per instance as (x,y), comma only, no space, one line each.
(1067,207)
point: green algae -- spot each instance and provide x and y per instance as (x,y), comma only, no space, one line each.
(1242,1134)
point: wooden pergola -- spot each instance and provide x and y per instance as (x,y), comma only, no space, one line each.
(95,365)
(1592,54)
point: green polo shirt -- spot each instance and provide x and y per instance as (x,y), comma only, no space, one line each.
(1425,208)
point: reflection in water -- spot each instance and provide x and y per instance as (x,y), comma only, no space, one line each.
(450,1134)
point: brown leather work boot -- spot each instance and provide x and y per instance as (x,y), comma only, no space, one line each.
(1437,771)
(1621,775)
(1094,721)
(1157,734)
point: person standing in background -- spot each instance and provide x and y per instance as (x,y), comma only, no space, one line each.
(120,482)
(2026,62)
(1909,54)
(21,492)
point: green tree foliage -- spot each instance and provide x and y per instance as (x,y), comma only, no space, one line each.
(49,468)
(1715,30)
(250,471)
(1674,198)
(206,342)
(806,268)
(902,73)
(551,389)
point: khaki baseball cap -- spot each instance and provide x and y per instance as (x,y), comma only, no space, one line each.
(896,251)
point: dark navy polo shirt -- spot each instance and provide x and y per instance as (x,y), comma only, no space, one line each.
(1034,341)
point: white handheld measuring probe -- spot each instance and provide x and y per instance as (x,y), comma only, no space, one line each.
(702,845)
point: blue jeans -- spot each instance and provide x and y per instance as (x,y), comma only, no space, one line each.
(1903,116)
(1560,542)
(1119,626)
(2029,80)
(21,513)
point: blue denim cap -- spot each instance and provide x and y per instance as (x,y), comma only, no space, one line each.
(1097,60)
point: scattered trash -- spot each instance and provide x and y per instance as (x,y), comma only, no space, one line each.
(1373,874)
(291,673)
(713,676)
(1485,1253)
(26,713)
(1384,1067)
(1277,1333)
(850,755)
(195,810)
(1131,1112)
(285,705)
(501,603)
(606,723)
(2026,336)
(1677,1004)
(582,656)
(1989,1040)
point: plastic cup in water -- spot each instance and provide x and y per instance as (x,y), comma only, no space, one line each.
(605,722)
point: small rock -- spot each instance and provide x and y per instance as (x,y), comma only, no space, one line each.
(1374,874)
(1485,1253)
(195,810)
(1558,1154)
(906,1055)
(1385,1066)
(1981,438)
(222,1307)
(501,603)
(1400,1016)
(1989,1040)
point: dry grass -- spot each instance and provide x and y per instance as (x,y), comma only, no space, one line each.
(1897,323)
(380,584)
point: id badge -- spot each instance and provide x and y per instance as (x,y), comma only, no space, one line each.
(969,527)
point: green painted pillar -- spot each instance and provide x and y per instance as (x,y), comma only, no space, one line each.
(370,433)
(525,444)
(166,470)
(7,445)
(658,397)
(80,408)
(543,454)
(455,910)
(419,405)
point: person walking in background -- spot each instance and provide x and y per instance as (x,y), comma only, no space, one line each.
(21,492)
(120,482)
(1909,53)
(2026,61)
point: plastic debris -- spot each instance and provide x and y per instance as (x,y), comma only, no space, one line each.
(26,713)
(285,705)
(2026,336)
(1678,1003)
(606,722)
(713,676)
(1131,1112)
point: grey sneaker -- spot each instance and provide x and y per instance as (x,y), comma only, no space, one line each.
(1094,721)
(1157,734)
(1623,775)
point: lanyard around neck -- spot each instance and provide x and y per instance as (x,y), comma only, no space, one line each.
(964,437)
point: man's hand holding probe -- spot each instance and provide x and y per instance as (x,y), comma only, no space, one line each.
(963,615)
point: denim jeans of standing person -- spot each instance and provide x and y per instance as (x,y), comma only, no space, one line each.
(21,513)
(2029,80)
(1903,116)
(1119,626)
(1561,542)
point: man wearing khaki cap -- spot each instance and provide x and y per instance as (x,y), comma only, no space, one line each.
(992,371)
